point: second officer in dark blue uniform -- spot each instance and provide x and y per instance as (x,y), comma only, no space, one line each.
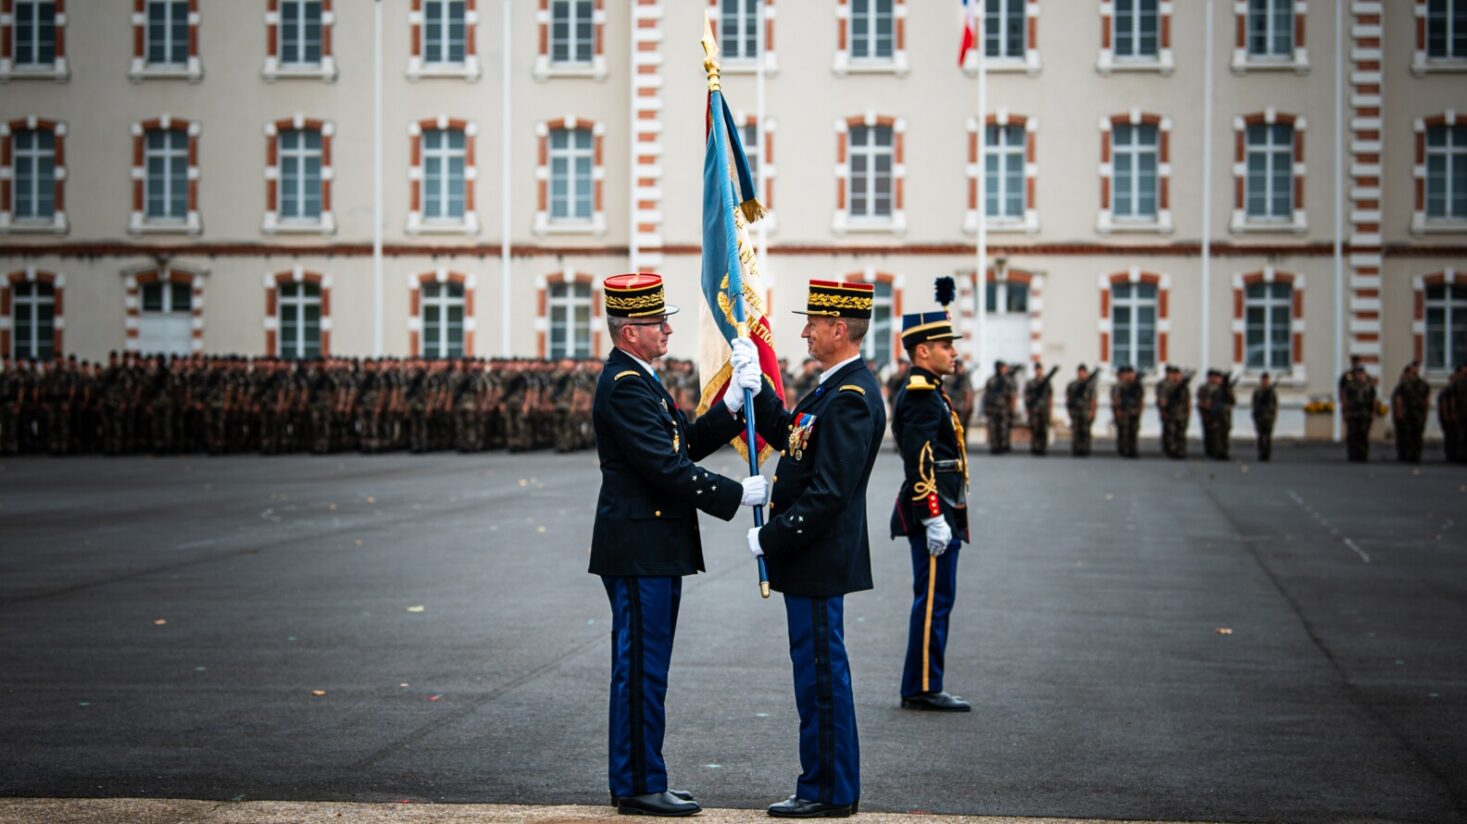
(646,533)
(932,506)
(815,543)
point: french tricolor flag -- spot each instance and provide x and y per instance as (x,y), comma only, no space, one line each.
(970,29)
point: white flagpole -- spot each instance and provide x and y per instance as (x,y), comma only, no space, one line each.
(759,135)
(981,251)
(1206,323)
(504,190)
(377,179)
(1339,216)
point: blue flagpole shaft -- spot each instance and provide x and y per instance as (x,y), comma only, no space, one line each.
(749,438)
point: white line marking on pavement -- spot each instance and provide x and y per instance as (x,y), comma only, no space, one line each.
(197,544)
(1320,519)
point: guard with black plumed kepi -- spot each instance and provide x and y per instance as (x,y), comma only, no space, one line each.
(815,543)
(932,506)
(646,533)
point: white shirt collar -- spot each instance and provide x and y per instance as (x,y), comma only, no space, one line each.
(839,366)
(645,365)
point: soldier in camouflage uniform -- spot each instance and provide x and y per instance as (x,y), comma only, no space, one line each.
(1080,402)
(1039,408)
(1447,417)
(1174,407)
(1357,408)
(467,388)
(998,407)
(1265,405)
(1215,402)
(1410,404)
(1127,397)
(963,395)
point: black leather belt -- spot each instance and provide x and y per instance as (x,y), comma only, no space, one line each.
(953,465)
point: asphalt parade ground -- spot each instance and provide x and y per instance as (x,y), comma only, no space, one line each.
(1151,640)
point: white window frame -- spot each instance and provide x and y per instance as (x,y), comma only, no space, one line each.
(546,67)
(1111,60)
(58,20)
(277,67)
(1269,303)
(870,151)
(1005,11)
(419,66)
(10,67)
(565,334)
(1135,302)
(1277,157)
(438,294)
(577,188)
(1421,61)
(191,69)
(873,18)
(1135,33)
(443,33)
(1271,13)
(1455,11)
(1297,60)
(443,156)
(168,154)
(35,155)
(32,303)
(275,220)
(573,44)
(846,59)
(299,301)
(1454,154)
(1134,151)
(1452,302)
(301,64)
(169,45)
(1003,152)
(301,154)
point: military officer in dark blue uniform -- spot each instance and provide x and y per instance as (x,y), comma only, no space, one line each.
(932,505)
(815,542)
(646,532)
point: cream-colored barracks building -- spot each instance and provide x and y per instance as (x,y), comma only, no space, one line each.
(1248,185)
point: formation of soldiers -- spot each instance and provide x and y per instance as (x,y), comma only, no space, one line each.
(220,405)
(1214,401)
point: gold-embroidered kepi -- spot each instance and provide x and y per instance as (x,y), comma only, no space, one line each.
(922,327)
(637,295)
(831,299)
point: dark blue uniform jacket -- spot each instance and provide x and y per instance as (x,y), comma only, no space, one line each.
(933,457)
(815,543)
(646,515)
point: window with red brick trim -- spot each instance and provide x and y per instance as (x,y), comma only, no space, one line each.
(759,149)
(444,35)
(1010,176)
(1135,173)
(1441,163)
(297,314)
(165,40)
(1003,299)
(570,176)
(442,173)
(1135,35)
(567,316)
(33,40)
(1269,34)
(1268,325)
(164,309)
(33,176)
(883,341)
(1010,38)
(735,27)
(1268,173)
(571,39)
(1440,46)
(298,39)
(298,176)
(871,36)
(165,176)
(441,320)
(870,174)
(1439,327)
(32,320)
(1135,319)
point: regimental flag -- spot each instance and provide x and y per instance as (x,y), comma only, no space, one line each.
(970,29)
(730,273)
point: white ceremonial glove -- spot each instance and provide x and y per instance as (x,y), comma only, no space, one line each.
(754,542)
(939,535)
(743,352)
(733,398)
(756,491)
(749,376)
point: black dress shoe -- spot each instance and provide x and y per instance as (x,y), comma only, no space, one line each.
(796,807)
(936,702)
(665,804)
(683,794)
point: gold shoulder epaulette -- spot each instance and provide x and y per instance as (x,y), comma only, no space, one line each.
(620,375)
(853,388)
(919,382)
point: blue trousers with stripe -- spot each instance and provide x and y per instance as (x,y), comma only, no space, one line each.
(643,621)
(934,588)
(830,754)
